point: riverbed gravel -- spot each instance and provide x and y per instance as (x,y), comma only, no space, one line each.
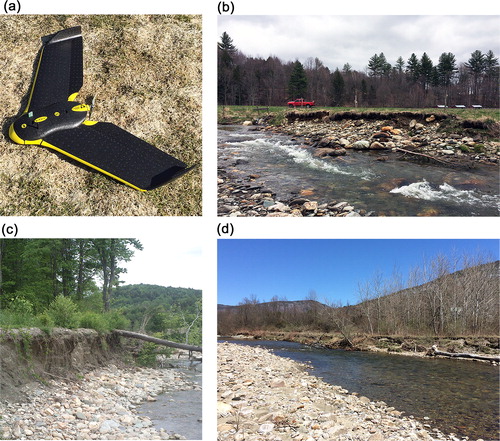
(241,194)
(263,397)
(100,405)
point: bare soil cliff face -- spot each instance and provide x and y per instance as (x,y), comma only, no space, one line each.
(28,355)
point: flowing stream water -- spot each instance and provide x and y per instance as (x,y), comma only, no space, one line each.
(180,411)
(458,396)
(390,187)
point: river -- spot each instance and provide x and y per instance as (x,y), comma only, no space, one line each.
(457,396)
(180,411)
(390,187)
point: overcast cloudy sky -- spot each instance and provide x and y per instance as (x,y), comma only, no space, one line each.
(353,39)
(166,261)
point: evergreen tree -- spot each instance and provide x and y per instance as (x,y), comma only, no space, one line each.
(378,65)
(400,65)
(446,68)
(338,89)
(413,68)
(476,65)
(297,86)
(225,65)
(347,68)
(490,64)
(226,43)
(426,71)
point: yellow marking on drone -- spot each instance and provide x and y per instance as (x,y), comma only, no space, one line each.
(81,108)
(40,119)
(34,81)
(46,144)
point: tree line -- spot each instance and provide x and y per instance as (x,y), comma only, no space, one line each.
(37,271)
(445,295)
(416,81)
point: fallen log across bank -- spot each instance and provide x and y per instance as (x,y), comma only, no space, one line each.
(434,351)
(158,341)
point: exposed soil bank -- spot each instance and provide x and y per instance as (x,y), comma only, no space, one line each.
(446,140)
(265,397)
(405,345)
(28,355)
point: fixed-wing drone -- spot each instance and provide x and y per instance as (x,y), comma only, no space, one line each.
(55,120)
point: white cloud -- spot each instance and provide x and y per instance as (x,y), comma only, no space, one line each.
(353,39)
(166,261)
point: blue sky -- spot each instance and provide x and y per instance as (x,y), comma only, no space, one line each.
(292,268)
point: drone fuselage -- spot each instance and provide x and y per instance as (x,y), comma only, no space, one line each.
(35,124)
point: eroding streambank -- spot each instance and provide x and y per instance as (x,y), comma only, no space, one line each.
(78,384)
(265,397)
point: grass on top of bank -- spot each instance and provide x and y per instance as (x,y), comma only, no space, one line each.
(238,114)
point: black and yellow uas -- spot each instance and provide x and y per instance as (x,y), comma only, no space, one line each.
(55,120)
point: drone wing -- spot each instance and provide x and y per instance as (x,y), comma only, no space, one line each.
(59,74)
(117,153)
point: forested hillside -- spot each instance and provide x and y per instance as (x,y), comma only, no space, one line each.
(174,313)
(413,80)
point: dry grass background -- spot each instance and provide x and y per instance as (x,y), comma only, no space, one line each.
(146,72)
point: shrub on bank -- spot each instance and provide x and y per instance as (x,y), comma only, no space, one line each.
(93,320)
(116,320)
(63,312)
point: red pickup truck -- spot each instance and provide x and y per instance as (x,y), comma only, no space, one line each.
(301,102)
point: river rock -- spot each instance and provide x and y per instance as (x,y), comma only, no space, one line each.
(97,407)
(310,206)
(108,425)
(304,408)
(381,136)
(361,145)
(379,146)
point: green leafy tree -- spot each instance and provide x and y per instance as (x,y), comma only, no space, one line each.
(110,252)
